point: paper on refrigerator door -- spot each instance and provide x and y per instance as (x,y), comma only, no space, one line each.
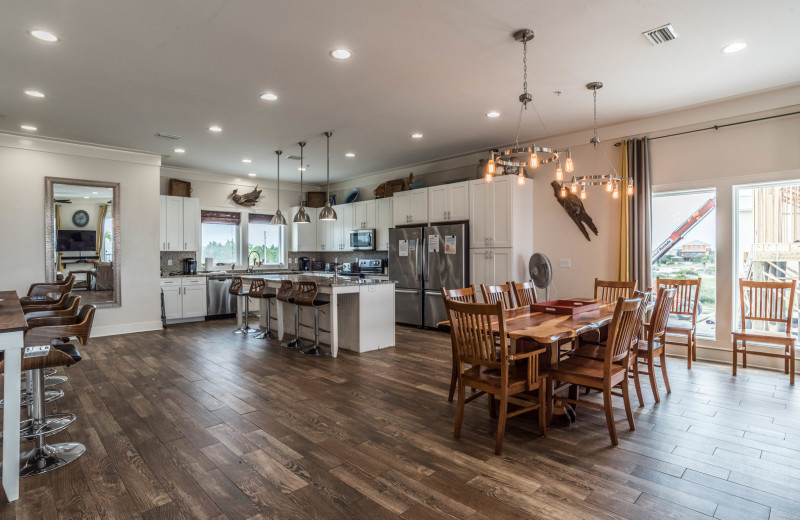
(450,244)
(403,250)
(433,244)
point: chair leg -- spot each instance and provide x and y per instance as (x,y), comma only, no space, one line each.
(501,424)
(267,334)
(744,354)
(651,373)
(612,429)
(791,365)
(663,358)
(543,408)
(459,410)
(735,355)
(637,383)
(294,343)
(626,397)
(689,347)
(453,380)
(247,329)
(694,345)
(315,350)
(492,406)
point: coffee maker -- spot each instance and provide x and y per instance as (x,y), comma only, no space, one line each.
(189,266)
(303,263)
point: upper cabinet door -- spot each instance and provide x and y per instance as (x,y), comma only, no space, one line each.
(163,243)
(383,222)
(349,217)
(501,230)
(335,231)
(457,201)
(400,209)
(191,224)
(304,236)
(174,216)
(438,204)
(367,216)
(323,234)
(479,213)
(418,206)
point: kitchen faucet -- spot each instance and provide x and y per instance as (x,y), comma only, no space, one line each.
(258,256)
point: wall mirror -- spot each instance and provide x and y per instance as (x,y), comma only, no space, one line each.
(82,238)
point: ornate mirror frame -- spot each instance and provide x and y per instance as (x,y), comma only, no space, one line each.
(49,233)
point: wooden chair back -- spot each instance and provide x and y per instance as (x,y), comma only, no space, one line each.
(660,315)
(257,287)
(465,295)
(286,291)
(71,309)
(525,293)
(687,296)
(610,290)
(236,285)
(42,331)
(625,325)
(767,302)
(498,293)
(474,329)
(306,293)
(69,280)
(43,289)
(39,305)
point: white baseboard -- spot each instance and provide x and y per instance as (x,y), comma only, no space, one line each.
(125,328)
(725,356)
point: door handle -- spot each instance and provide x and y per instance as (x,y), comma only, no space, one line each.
(426,268)
(184,246)
(167,245)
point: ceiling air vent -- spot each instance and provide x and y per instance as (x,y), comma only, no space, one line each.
(661,34)
(294,157)
(167,136)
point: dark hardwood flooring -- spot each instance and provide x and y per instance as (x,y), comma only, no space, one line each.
(196,422)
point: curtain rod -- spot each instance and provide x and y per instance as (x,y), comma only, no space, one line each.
(717,127)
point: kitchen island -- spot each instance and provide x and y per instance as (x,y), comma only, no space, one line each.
(361,316)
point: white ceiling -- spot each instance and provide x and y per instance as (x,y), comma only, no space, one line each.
(125,70)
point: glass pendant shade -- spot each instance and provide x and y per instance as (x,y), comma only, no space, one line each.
(490,167)
(327,213)
(301,217)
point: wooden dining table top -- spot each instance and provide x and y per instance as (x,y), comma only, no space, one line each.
(546,327)
(12,317)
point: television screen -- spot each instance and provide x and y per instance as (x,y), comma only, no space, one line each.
(74,240)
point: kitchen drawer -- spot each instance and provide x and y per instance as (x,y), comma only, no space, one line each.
(193,281)
(170,282)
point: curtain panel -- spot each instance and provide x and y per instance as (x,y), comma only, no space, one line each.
(640,211)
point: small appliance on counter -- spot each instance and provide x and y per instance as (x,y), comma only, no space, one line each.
(189,266)
(317,266)
(303,263)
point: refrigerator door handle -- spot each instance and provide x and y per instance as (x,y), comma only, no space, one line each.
(408,291)
(419,260)
(425,248)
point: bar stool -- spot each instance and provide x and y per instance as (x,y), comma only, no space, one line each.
(40,292)
(286,294)
(258,289)
(306,296)
(237,289)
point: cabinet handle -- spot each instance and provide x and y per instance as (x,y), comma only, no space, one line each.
(184,246)
(167,245)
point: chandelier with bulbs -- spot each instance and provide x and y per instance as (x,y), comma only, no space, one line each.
(518,158)
(611,182)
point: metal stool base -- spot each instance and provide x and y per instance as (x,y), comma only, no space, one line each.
(53,424)
(49,457)
(314,351)
(267,334)
(26,399)
(294,343)
(51,381)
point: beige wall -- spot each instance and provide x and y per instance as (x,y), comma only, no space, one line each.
(24,163)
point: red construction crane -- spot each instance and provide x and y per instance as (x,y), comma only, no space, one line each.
(683,229)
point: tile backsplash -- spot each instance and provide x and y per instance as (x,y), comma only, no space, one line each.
(341,256)
(177,261)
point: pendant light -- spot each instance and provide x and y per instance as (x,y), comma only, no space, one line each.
(277,218)
(328,213)
(302,216)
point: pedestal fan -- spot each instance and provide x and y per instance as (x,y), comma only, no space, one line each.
(541,272)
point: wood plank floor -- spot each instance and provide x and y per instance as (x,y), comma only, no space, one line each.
(196,422)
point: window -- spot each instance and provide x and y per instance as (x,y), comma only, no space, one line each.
(264,239)
(220,236)
(108,240)
(768,238)
(684,234)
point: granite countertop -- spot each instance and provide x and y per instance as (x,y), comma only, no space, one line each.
(321,280)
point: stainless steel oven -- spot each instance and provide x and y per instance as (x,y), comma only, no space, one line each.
(361,239)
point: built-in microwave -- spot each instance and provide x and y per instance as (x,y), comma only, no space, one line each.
(362,239)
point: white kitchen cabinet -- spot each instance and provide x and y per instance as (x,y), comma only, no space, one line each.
(304,236)
(501,213)
(180,223)
(335,235)
(184,297)
(348,217)
(410,207)
(365,215)
(449,202)
(493,266)
(323,230)
(173,308)
(383,221)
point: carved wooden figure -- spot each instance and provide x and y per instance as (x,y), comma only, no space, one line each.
(248,199)
(574,208)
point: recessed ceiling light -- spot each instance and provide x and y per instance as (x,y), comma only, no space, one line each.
(341,54)
(43,35)
(85,196)
(215,129)
(179,150)
(94,193)
(416,135)
(29,128)
(350,154)
(251,174)
(268,96)
(34,93)
(301,169)
(734,47)
(248,161)
(493,113)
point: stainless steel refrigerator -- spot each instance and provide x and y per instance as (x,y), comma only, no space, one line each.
(422,260)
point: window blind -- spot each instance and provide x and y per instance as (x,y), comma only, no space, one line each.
(257,217)
(220,217)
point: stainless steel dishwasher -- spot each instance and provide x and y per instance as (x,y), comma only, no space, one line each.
(221,304)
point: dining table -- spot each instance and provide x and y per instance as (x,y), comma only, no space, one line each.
(12,341)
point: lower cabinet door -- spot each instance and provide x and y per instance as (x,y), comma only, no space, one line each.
(173,308)
(194,301)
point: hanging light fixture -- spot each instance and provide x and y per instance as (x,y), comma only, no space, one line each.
(301,217)
(520,157)
(610,181)
(277,218)
(328,213)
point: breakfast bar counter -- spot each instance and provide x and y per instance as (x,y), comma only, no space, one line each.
(361,316)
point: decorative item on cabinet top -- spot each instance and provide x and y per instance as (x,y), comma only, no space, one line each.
(248,199)
(179,188)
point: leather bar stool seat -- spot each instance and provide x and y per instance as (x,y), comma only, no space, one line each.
(237,289)
(258,289)
(306,296)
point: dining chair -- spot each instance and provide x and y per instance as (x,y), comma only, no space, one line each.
(684,312)
(494,371)
(467,294)
(612,371)
(768,303)
(610,290)
(652,344)
(498,293)
(525,293)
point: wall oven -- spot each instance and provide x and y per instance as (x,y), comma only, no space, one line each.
(361,239)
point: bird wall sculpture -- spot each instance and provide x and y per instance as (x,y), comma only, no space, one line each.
(574,208)
(248,199)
